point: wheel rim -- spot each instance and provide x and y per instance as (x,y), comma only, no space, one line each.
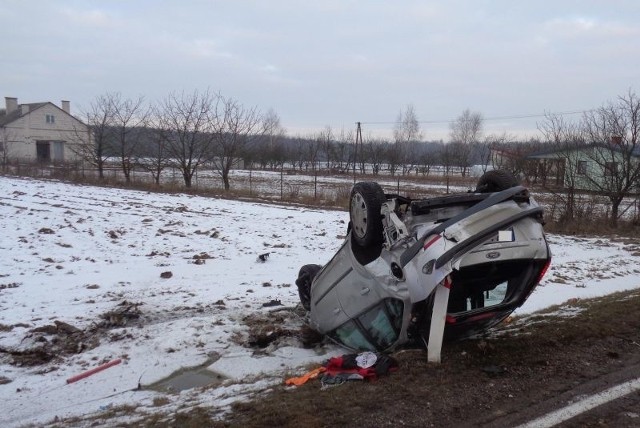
(359,215)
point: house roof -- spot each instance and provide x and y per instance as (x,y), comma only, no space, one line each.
(554,154)
(17,114)
(546,154)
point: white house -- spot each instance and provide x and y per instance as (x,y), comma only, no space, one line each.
(40,131)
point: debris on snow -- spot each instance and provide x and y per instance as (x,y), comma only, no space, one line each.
(273,302)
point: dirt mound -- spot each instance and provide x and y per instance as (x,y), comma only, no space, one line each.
(278,327)
(52,342)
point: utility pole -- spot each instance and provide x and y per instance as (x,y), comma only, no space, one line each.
(355,150)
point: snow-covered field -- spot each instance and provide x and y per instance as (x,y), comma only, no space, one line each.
(165,282)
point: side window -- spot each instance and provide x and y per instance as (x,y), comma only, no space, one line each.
(350,335)
(394,307)
(50,118)
(383,322)
(378,328)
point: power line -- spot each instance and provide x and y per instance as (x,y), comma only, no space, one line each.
(513,117)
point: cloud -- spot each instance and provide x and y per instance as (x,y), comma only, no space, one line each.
(583,27)
(89,18)
(269,68)
(205,48)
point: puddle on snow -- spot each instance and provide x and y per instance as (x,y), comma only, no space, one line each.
(188,378)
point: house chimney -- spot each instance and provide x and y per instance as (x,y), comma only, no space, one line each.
(25,109)
(616,140)
(11,103)
(66,106)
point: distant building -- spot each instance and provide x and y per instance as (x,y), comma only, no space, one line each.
(40,131)
(584,167)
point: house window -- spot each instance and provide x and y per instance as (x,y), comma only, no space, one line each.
(43,151)
(582,167)
(611,169)
(50,118)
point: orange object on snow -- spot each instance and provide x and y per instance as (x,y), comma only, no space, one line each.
(297,381)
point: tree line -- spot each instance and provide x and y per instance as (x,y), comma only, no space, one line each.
(184,131)
(188,131)
(204,129)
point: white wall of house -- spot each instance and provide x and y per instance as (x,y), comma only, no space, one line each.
(46,126)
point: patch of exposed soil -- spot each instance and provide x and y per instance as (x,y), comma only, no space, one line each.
(274,327)
(51,342)
(124,314)
(47,343)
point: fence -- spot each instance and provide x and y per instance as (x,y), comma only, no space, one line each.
(319,187)
(285,184)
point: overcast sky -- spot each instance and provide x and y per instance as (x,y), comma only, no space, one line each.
(330,62)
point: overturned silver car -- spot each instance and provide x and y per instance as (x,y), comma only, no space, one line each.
(421,271)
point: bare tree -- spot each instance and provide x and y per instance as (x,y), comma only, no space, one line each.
(599,153)
(188,124)
(6,136)
(427,159)
(566,138)
(237,126)
(155,157)
(269,148)
(96,146)
(531,170)
(447,160)
(297,152)
(373,153)
(465,132)
(343,150)
(393,155)
(325,138)
(458,153)
(406,133)
(130,118)
(484,150)
(312,152)
(502,153)
(614,131)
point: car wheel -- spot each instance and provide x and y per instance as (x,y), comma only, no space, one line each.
(364,210)
(305,278)
(496,181)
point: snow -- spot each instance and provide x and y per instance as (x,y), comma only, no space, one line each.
(585,268)
(72,253)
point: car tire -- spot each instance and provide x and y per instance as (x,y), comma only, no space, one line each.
(496,181)
(364,211)
(306,276)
